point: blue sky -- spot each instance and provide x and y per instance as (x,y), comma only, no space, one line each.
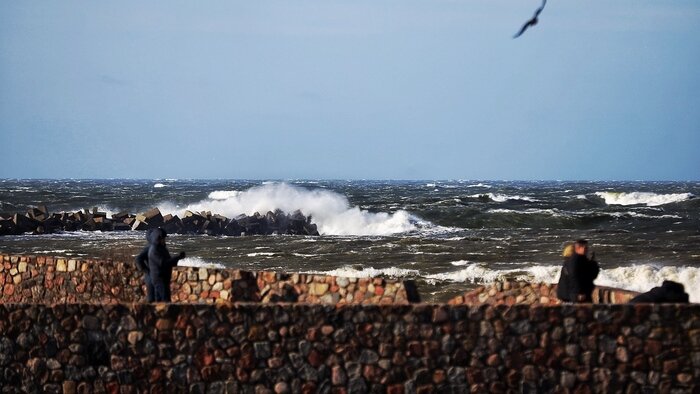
(350,89)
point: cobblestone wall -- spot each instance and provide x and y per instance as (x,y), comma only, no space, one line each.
(43,279)
(511,293)
(264,348)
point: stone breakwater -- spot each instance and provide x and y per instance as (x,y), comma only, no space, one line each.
(290,348)
(40,279)
(40,221)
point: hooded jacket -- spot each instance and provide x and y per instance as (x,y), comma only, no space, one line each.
(157,264)
(160,263)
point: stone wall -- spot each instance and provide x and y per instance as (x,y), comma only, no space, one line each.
(80,326)
(45,279)
(511,293)
(263,348)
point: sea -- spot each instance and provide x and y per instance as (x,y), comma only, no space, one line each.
(449,236)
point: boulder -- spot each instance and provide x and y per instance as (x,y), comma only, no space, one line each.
(38,214)
(52,224)
(119,226)
(139,225)
(232,228)
(153,217)
(7,227)
(173,224)
(24,224)
(120,216)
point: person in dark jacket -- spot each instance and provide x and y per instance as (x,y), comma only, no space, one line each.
(577,275)
(159,265)
(142,265)
(669,292)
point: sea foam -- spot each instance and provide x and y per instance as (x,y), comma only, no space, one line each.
(331,211)
(497,197)
(199,263)
(641,277)
(369,272)
(642,198)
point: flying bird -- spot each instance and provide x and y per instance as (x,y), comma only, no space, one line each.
(531,22)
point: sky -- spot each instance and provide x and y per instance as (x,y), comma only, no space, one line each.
(368,89)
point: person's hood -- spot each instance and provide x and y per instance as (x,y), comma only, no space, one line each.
(154,235)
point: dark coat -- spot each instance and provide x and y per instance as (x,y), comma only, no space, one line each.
(155,260)
(576,278)
(142,265)
(668,292)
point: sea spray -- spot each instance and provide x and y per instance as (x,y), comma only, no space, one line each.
(639,278)
(643,198)
(199,262)
(330,211)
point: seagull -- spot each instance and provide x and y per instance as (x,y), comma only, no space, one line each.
(531,22)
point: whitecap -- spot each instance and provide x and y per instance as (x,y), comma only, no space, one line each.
(638,198)
(330,211)
(638,277)
(369,272)
(504,197)
(199,262)
(159,185)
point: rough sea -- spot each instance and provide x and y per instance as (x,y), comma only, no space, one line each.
(450,236)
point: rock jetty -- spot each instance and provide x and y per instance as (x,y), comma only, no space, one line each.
(39,221)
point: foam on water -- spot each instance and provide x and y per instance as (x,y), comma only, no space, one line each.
(640,277)
(497,197)
(369,272)
(643,277)
(532,211)
(480,185)
(159,185)
(330,211)
(199,263)
(482,274)
(646,198)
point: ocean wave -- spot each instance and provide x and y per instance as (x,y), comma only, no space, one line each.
(497,197)
(642,215)
(369,272)
(330,211)
(159,185)
(642,198)
(532,211)
(199,263)
(478,273)
(480,185)
(639,277)
(256,254)
(223,194)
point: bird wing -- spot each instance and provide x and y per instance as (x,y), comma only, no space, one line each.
(525,26)
(537,13)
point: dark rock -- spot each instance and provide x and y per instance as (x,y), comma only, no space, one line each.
(24,224)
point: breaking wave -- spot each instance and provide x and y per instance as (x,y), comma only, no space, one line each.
(330,211)
(199,263)
(636,278)
(642,198)
(369,272)
(503,197)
